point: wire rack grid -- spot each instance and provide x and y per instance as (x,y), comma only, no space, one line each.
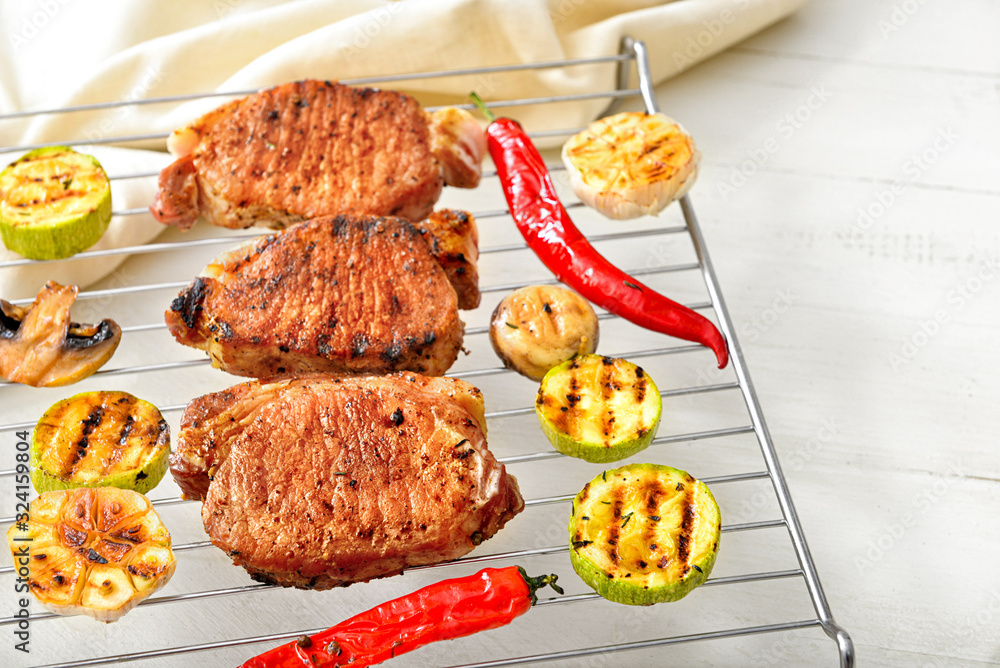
(764,595)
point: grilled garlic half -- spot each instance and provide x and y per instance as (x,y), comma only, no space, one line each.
(92,551)
(631,164)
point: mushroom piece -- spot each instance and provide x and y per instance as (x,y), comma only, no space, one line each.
(537,327)
(40,346)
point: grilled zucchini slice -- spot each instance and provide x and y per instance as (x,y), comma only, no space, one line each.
(644,534)
(600,409)
(93,551)
(100,439)
(539,326)
(54,203)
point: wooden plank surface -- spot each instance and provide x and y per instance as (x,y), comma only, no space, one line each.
(850,200)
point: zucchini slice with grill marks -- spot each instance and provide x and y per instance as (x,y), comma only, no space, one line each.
(54,203)
(600,409)
(100,439)
(644,534)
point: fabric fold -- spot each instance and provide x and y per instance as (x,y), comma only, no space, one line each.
(248,45)
(60,54)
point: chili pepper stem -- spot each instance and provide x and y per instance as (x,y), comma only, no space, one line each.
(490,116)
(536,583)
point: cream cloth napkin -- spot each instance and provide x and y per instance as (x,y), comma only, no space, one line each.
(57,53)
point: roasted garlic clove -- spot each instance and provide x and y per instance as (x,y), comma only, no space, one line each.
(96,552)
(40,346)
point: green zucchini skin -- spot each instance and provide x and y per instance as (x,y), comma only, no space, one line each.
(599,409)
(644,534)
(54,203)
(100,439)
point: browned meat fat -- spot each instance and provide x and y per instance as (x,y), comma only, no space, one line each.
(342,294)
(320,481)
(313,148)
(454,241)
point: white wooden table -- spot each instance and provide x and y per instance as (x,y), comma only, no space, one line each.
(850,200)
(849,197)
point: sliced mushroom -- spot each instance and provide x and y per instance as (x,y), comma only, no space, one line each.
(40,346)
(538,327)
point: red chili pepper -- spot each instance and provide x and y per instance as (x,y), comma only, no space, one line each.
(491,598)
(559,244)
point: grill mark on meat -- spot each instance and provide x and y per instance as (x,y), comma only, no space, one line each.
(323,345)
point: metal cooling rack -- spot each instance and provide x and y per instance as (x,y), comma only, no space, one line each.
(733,605)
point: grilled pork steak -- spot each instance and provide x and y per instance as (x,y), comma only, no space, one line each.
(343,294)
(320,481)
(315,148)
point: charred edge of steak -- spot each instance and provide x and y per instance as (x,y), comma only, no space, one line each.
(359,345)
(391,352)
(189,302)
(369,226)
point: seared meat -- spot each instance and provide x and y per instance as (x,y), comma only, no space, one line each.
(343,294)
(315,148)
(321,481)
(454,241)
